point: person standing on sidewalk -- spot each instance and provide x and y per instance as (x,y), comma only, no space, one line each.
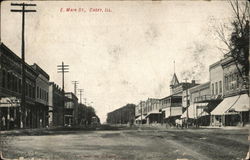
(4,123)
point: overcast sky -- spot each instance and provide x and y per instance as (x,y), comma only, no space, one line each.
(122,56)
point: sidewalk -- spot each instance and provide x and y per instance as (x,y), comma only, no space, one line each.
(32,131)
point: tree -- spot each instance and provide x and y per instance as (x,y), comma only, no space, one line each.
(237,42)
(85,114)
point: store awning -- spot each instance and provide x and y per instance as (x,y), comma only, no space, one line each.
(140,118)
(173,111)
(204,113)
(237,103)
(9,102)
(153,112)
(241,105)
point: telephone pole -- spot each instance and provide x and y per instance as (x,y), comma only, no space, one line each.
(63,69)
(187,100)
(141,111)
(23,101)
(81,91)
(75,86)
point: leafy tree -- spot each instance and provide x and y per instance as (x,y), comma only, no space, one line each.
(85,114)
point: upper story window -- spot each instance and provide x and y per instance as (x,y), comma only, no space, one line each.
(220,87)
(216,88)
(226,83)
(8,80)
(4,79)
(237,81)
(212,88)
(20,85)
(37,92)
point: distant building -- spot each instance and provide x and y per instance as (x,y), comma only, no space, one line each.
(176,87)
(42,98)
(140,113)
(197,104)
(71,109)
(123,115)
(171,106)
(55,105)
(153,111)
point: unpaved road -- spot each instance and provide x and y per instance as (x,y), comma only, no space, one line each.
(191,144)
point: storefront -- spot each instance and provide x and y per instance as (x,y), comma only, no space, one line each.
(9,113)
(231,111)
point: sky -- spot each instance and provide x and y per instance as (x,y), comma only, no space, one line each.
(122,56)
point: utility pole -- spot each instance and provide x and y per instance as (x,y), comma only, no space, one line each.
(81,91)
(141,111)
(23,104)
(63,69)
(75,86)
(86,112)
(186,100)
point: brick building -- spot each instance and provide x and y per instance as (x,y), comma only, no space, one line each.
(11,112)
(234,109)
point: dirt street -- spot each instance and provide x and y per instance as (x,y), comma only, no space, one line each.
(137,144)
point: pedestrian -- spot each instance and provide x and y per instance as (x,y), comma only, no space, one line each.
(11,123)
(41,122)
(4,123)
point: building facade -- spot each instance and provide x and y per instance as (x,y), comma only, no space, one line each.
(56,109)
(153,114)
(123,115)
(141,112)
(12,114)
(71,109)
(40,113)
(171,108)
(197,104)
(234,108)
